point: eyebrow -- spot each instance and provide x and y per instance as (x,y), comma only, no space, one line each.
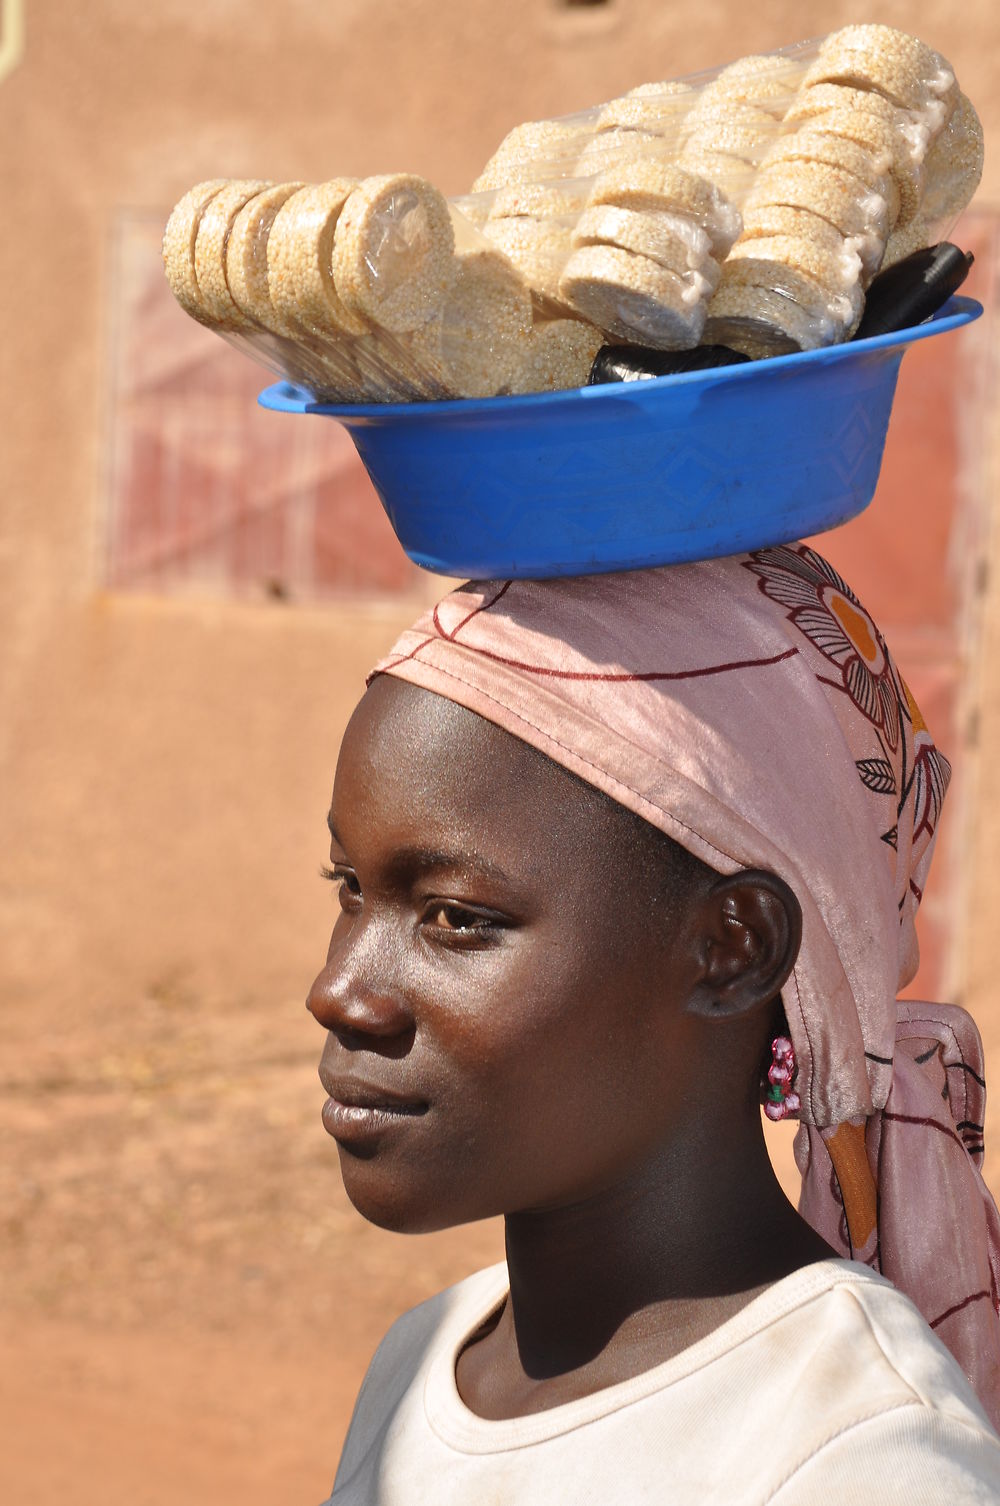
(426,859)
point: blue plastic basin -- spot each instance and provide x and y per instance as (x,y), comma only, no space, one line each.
(627,475)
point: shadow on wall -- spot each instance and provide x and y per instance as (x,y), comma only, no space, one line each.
(206,491)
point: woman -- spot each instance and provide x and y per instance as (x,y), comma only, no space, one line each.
(618,855)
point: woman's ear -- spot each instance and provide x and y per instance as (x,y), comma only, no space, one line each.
(751,936)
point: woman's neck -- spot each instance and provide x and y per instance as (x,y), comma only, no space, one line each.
(625,1279)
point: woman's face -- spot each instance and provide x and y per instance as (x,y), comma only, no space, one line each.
(505,987)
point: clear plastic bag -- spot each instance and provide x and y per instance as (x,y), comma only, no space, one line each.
(749,207)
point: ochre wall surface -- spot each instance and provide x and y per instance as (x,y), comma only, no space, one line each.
(185,1289)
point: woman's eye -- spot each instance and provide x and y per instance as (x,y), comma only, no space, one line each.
(458,919)
(346,880)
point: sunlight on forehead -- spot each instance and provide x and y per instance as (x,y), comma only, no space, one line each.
(426,786)
(415,861)
(411,861)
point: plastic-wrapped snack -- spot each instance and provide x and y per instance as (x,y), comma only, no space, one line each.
(533,153)
(830,192)
(876,123)
(633,297)
(539,201)
(227,214)
(645,123)
(865,136)
(954,166)
(816,253)
(783,262)
(752,317)
(618,145)
(822,222)
(270,337)
(731,175)
(816,145)
(746,139)
(838,132)
(658,109)
(859,256)
(538,248)
(765,83)
(211,241)
(559,353)
(654,187)
(393,251)
(892,63)
(180,238)
(638,274)
(471,209)
(669,239)
(477,344)
(532,225)
(300,286)
(391,371)
(178,246)
(730,128)
(246,254)
(801,224)
(953,170)
(300,261)
(819,98)
(737,118)
(350,359)
(751,206)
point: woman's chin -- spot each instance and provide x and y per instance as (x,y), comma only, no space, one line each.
(398,1208)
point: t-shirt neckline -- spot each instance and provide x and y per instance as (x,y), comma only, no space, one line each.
(481,1296)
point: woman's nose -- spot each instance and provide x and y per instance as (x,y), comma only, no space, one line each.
(355,1008)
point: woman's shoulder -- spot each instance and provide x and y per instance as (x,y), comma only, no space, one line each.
(871,1336)
(908,1455)
(869,1394)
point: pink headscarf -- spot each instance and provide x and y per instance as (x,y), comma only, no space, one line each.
(749,708)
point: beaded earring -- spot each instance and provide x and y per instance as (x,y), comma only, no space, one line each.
(780,1102)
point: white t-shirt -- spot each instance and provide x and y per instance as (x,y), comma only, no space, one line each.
(827,1390)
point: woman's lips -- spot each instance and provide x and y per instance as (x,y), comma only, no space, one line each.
(357,1111)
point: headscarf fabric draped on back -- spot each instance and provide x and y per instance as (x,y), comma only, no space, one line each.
(749,708)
